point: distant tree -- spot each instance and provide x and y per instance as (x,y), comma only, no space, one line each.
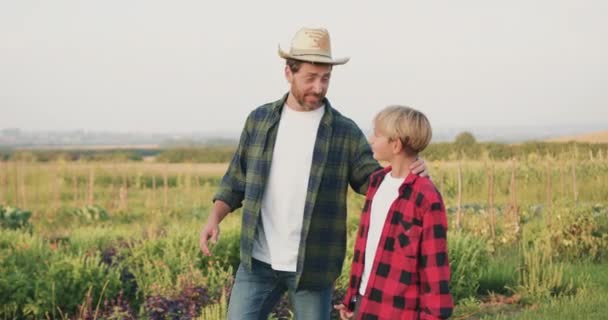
(465,139)
(466,146)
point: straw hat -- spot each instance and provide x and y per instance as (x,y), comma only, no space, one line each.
(311,45)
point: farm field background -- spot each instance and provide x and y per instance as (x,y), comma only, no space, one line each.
(119,240)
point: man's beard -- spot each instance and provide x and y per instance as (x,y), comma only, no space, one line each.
(310,106)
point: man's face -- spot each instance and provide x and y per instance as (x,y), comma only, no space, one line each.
(309,85)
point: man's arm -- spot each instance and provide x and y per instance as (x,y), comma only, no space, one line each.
(230,194)
(362,163)
(232,187)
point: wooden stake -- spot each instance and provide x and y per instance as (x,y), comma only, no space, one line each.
(574,189)
(2,182)
(562,181)
(91,195)
(166,189)
(123,194)
(491,210)
(549,211)
(22,183)
(459,209)
(513,206)
(56,186)
(75,189)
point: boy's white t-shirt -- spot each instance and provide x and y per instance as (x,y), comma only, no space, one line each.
(278,238)
(386,194)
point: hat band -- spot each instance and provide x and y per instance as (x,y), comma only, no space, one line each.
(306,52)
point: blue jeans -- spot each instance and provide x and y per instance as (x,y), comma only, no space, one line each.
(256,292)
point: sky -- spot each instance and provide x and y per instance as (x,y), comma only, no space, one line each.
(202,66)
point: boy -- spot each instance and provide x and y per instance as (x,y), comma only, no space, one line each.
(400,266)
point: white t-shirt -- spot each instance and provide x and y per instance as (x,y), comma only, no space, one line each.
(278,238)
(387,193)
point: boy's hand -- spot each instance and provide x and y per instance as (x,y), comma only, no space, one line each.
(344,313)
(419,168)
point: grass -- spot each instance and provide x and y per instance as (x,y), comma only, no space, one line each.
(589,303)
(501,273)
(498,303)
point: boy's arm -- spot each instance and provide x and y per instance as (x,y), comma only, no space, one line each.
(349,301)
(435,298)
(356,269)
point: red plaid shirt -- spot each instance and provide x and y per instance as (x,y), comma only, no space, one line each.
(411,273)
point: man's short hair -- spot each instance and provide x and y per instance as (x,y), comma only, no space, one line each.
(406,124)
(294,65)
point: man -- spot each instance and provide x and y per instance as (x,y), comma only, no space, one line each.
(291,171)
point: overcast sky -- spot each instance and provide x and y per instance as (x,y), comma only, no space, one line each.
(184,66)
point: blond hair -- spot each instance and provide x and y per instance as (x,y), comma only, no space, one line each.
(406,124)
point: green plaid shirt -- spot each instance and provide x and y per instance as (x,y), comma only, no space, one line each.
(341,157)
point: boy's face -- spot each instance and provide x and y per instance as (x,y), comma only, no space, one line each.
(382,146)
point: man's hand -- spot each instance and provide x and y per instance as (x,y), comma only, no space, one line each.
(344,313)
(209,233)
(419,168)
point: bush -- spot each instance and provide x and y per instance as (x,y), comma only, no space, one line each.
(85,215)
(158,264)
(14,218)
(468,259)
(38,281)
(539,277)
(580,232)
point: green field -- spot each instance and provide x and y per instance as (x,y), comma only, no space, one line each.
(119,240)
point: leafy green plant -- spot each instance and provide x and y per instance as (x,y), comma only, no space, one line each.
(501,272)
(539,276)
(14,218)
(38,281)
(217,311)
(92,213)
(159,263)
(579,232)
(468,258)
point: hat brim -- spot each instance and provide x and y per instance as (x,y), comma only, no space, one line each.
(313,58)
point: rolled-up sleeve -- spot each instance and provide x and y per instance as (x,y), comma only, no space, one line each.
(232,187)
